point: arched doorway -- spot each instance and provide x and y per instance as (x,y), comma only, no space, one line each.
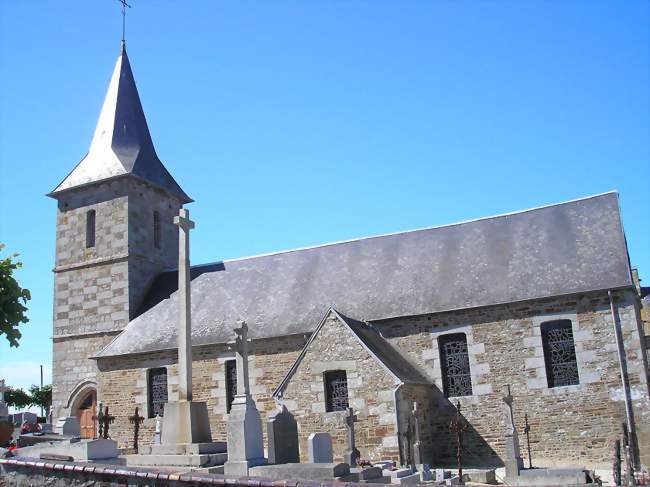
(85,407)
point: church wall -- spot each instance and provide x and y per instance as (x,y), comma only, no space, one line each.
(371,392)
(123,383)
(569,425)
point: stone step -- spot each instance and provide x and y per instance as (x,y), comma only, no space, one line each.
(184,448)
(191,460)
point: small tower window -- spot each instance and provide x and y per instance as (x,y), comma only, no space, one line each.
(336,391)
(90,229)
(559,353)
(156,229)
(231,383)
(157,391)
(454,361)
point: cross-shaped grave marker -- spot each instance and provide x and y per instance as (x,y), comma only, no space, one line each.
(107,420)
(352,456)
(136,420)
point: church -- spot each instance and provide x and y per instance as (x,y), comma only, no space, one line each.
(544,301)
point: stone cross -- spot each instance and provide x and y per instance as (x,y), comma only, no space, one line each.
(507,411)
(417,446)
(136,420)
(241,351)
(184,306)
(514,463)
(352,455)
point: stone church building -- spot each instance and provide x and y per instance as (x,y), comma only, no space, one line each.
(543,300)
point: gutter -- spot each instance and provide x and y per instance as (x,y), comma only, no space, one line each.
(629,414)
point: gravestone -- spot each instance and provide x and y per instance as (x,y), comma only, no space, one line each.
(245,441)
(4,409)
(320,448)
(67,425)
(513,462)
(282,434)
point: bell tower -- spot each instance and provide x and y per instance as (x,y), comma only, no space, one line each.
(114,235)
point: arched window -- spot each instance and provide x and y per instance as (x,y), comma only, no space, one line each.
(454,362)
(90,229)
(156,229)
(336,390)
(231,383)
(559,353)
(157,389)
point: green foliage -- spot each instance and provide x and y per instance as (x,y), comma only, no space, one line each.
(13,299)
(41,396)
(17,398)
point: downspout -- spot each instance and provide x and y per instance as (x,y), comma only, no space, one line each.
(397,422)
(624,379)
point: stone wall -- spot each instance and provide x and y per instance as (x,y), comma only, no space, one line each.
(569,425)
(123,383)
(97,290)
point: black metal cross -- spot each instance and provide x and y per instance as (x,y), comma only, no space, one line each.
(527,431)
(136,420)
(124,6)
(99,419)
(107,420)
(458,425)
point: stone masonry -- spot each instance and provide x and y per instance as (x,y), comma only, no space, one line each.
(573,424)
(97,290)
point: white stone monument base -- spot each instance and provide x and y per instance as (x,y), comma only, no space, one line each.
(186,422)
(99,449)
(245,442)
(67,425)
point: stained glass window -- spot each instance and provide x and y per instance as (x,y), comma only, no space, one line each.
(336,391)
(231,383)
(559,353)
(454,361)
(157,391)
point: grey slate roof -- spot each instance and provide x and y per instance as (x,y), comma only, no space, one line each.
(122,143)
(397,365)
(566,248)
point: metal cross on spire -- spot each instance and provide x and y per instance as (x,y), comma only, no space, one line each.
(124,6)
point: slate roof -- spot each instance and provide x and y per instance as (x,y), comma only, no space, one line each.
(567,248)
(388,356)
(122,144)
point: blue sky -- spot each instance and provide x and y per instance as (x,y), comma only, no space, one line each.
(297,123)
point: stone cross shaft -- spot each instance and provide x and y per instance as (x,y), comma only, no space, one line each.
(184,305)
(353,454)
(508,415)
(241,357)
(417,454)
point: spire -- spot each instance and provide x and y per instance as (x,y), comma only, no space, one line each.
(122,144)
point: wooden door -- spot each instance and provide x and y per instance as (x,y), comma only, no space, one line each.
(87,422)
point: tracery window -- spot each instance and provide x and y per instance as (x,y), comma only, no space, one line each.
(559,353)
(231,383)
(157,385)
(336,390)
(454,362)
(156,229)
(90,228)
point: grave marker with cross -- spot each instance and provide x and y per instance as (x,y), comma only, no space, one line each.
(417,446)
(352,456)
(107,420)
(99,420)
(136,420)
(458,425)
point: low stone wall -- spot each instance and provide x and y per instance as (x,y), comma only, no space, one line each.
(20,472)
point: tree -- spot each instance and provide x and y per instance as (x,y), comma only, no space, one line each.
(17,398)
(13,299)
(41,396)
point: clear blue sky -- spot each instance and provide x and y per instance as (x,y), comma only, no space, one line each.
(295,123)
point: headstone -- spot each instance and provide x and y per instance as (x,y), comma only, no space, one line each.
(513,462)
(4,409)
(320,448)
(68,425)
(352,455)
(282,434)
(47,428)
(24,417)
(158,431)
(245,441)
(425,472)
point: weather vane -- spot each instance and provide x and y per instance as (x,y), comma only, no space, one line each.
(124,5)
